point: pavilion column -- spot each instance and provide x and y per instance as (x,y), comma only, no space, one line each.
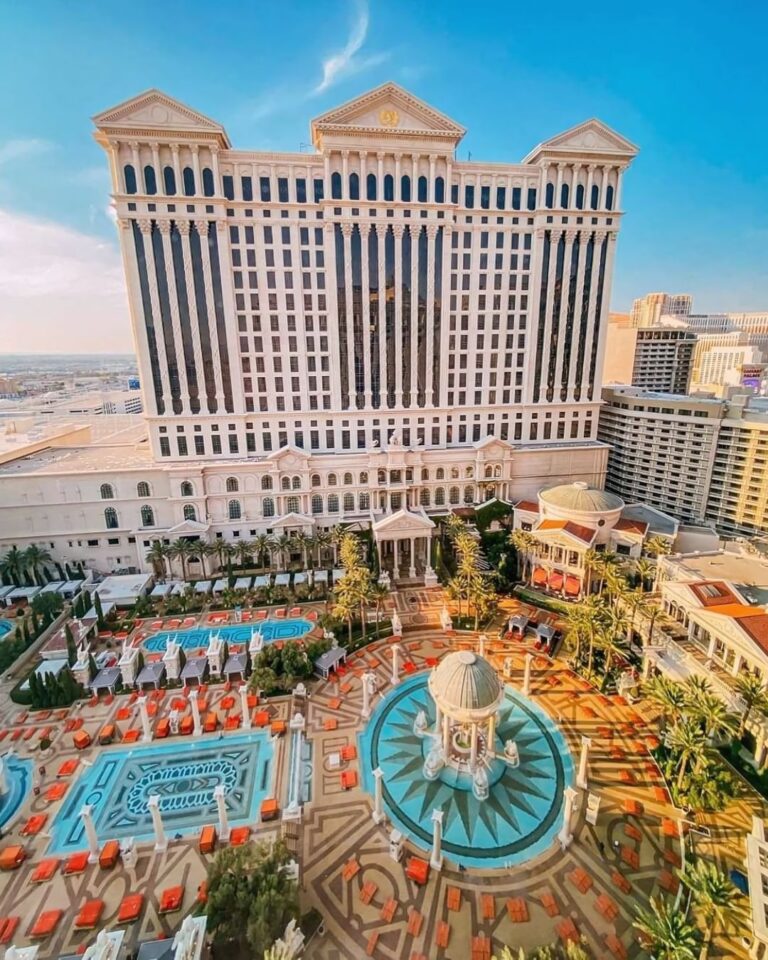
(446,736)
(161,841)
(436,860)
(86,816)
(565,836)
(711,648)
(438,720)
(145,724)
(527,675)
(491,745)
(473,747)
(581,779)
(412,559)
(378,807)
(221,807)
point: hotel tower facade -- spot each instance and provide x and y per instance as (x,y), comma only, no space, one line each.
(374,331)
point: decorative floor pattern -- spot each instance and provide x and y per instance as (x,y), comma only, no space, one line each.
(197,638)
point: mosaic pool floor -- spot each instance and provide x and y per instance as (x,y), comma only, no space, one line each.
(198,637)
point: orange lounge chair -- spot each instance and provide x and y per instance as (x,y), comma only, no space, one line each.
(123,713)
(90,914)
(45,870)
(279,614)
(348,779)
(109,854)
(163,728)
(277,728)
(202,892)
(130,908)
(55,792)
(294,612)
(34,825)
(232,723)
(417,870)
(349,752)
(8,926)
(269,809)
(207,841)
(239,835)
(81,740)
(76,863)
(171,899)
(67,768)
(186,726)
(106,735)
(211,722)
(261,719)
(46,732)
(45,924)
(12,857)
(131,736)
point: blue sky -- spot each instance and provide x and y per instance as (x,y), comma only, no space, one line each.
(685,82)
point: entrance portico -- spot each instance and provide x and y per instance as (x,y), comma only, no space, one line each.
(403,543)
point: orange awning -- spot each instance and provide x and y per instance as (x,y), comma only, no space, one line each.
(556,581)
(572,586)
(540,576)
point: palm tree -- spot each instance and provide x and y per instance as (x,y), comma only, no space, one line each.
(261,548)
(183,550)
(523,541)
(336,535)
(13,565)
(644,570)
(713,715)
(666,933)
(244,551)
(713,896)
(689,742)
(304,542)
(378,594)
(345,609)
(667,695)
(754,693)
(283,545)
(592,561)
(657,547)
(224,551)
(34,558)
(203,550)
(156,555)
(613,641)
(322,541)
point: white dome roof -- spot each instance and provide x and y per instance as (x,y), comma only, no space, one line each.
(581,497)
(466,681)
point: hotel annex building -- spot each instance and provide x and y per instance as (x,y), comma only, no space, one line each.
(372,332)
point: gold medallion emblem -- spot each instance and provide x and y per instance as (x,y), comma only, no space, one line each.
(389,118)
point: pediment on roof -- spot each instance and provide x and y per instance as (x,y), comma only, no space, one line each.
(404,521)
(387,110)
(294,520)
(289,457)
(154,110)
(492,446)
(591,137)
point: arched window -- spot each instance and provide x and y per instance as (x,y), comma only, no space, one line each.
(150,181)
(365,501)
(564,195)
(440,474)
(349,503)
(364,476)
(609,198)
(189,182)
(370,186)
(580,197)
(469,472)
(189,512)
(405,188)
(422,190)
(110,518)
(129,175)
(549,196)
(234,511)
(454,473)
(232,485)
(424,497)
(348,480)
(292,504)
(333,503)
(469,494)
(142,489)
(336,186)
(331,479)
(317,503)
(382,476)
(209,188)
(454,495)
(439,497)
(295,483)
(169,181)
(107,491)
(315,479)
(595,197)
(389,188)
(285,483)
(488,472)
(147,517)
(266,483)
(497,471)
(425,473)
(187,490)
(439,190)
(268,507)
(354,186)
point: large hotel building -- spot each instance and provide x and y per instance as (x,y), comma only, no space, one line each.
(375,331)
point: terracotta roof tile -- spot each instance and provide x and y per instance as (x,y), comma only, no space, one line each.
(631,526)
(713,593)
(528,505)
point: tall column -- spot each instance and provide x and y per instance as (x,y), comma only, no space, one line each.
(446,736)
(176,169)
(431,185)
(345,174)
(367,680)
(161,841)
(378,807)
(473,747)
(86,816)
(159,179)
(346,232)
(381,234)
(164,226)
(398,190)
(565,836)
(592,320)
(183,226)
(365,319)
(491,745)
(412,559)
(196,168)
(197,728)
(396,649)
(588,192)
(576,333)
(436,860)
(430,330)
(202,227)
(145,227)
(221,807)
(398,231)
(145,724)
(581,779)
(244,707)
(554,240)
(563,333)
(527,675)
(413,377)
(438,721)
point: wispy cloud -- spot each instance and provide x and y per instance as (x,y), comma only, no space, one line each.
(346,62)
(12,150)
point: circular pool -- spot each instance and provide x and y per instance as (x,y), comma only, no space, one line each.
(523,812)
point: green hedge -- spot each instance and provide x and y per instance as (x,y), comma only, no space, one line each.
(542,600)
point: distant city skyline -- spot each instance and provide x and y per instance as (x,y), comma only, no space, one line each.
(695,205)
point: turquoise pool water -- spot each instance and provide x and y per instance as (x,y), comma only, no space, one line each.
(198,637)
(184,775)
(18,773)
(5,628)
(524,811)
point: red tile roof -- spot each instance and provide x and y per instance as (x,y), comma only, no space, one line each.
(528,505)
(631,526)
(756,627)
(713,593)
(586,534)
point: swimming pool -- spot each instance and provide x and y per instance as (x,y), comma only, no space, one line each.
(184,776)
(524,810)
(198,637)
(18,773)
(5,628)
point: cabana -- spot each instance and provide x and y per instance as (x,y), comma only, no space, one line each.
(320,576)
(545,635)
(47,668)
(519,622)
(71,588)
(236,666)
(299,579)
(203,586)
(107,680)
(21,595)
(161,590)
(243,583)
(156,950)
(220,585)
(282,579)
(337,575)
(330,660)
(195,671)
(53,587)
(4,591)
(152,675)
(107,606)
(263,580)
(124,589)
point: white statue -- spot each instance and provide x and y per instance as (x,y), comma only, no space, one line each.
(435,760)
(420,724)
(289,946)
(511,753)
(185,939)
(480,783)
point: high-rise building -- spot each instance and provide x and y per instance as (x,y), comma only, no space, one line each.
(697,458)
(373,333)
(654,358)
(647,311)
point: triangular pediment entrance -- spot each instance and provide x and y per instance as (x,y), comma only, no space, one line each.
(388,110)
(155,110)
(404,521)
(592,136)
